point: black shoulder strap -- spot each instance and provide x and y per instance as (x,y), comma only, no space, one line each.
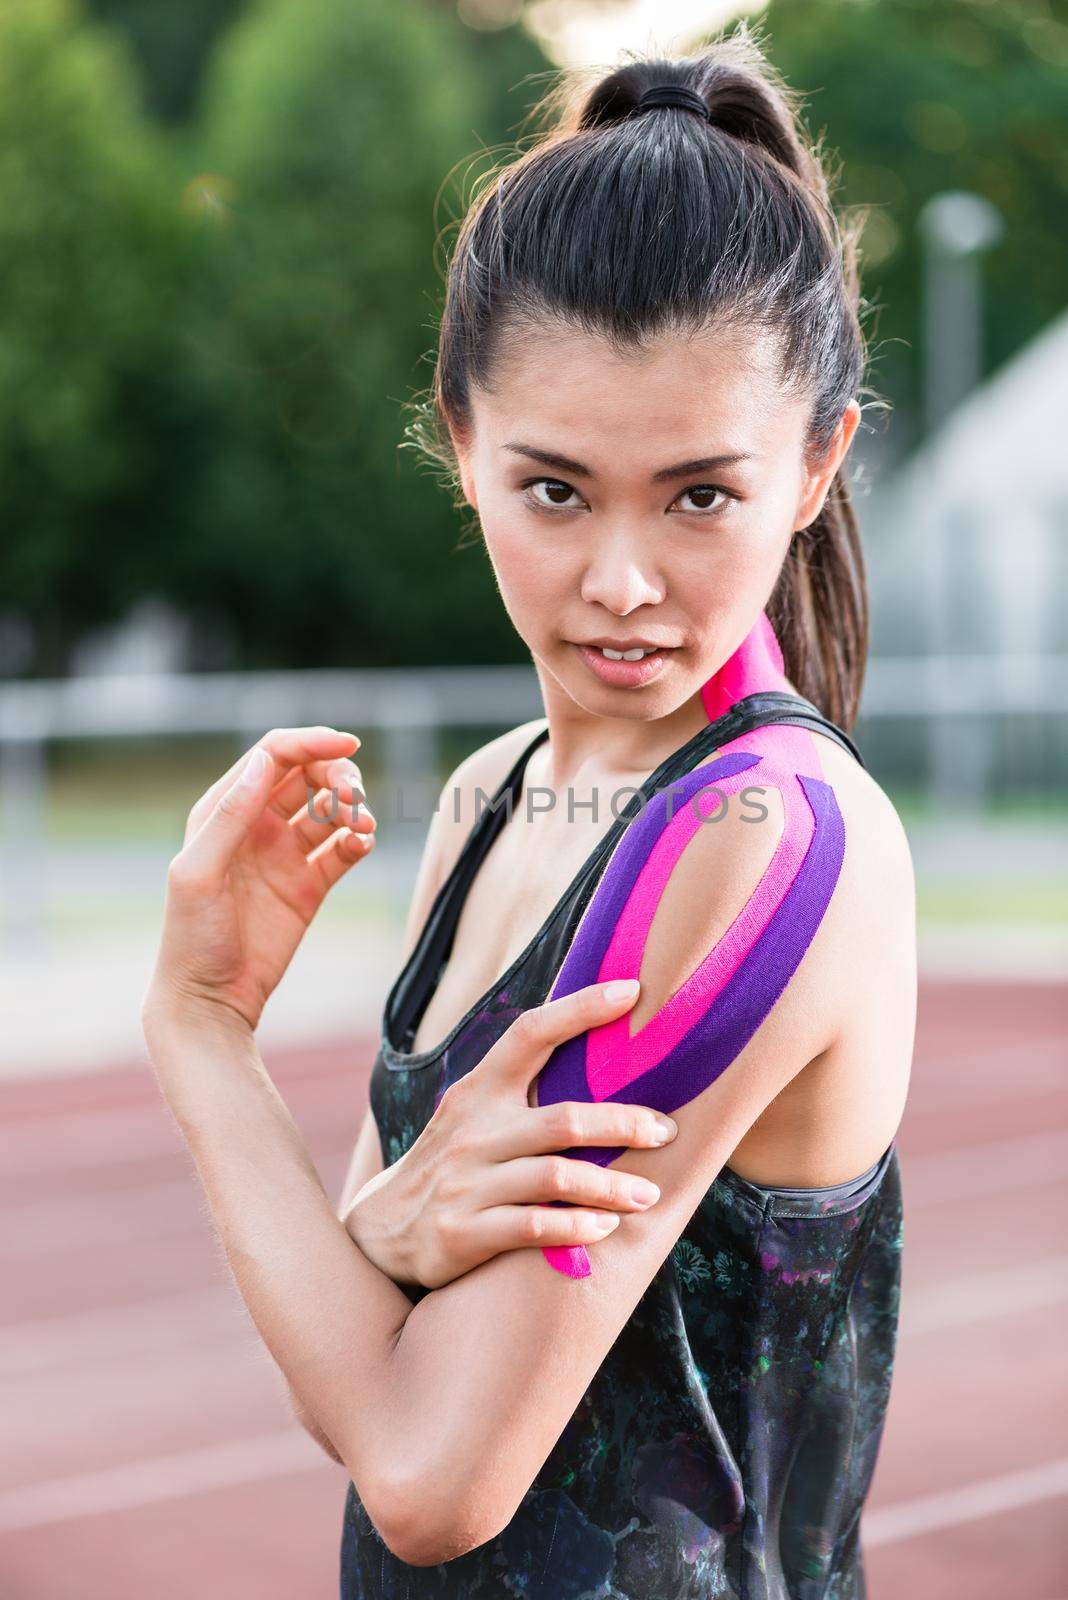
(434,942)
(435,938)
(773,706)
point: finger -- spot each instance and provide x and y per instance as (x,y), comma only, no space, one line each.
(340,852)
(574,1124)
(208,854)
(338,776)
(503,1228)
(312,824)
(523,1049)
(287,747)
(580,1183)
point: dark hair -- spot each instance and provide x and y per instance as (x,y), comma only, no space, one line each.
(628,226)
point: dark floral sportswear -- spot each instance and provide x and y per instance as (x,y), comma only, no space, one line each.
(727,1442)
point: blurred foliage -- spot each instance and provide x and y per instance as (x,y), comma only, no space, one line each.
(920,96)
(221,242)
(209,335)
(326,134)
(92,250)
(172,43)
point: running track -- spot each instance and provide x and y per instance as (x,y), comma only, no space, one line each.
(148,1450)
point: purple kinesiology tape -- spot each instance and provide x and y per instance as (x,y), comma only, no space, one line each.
(710,1018)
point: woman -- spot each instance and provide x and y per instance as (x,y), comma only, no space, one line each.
(646,386)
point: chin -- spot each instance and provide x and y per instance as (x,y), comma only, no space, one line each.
(635,703)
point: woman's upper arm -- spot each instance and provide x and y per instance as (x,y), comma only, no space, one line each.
(494,1364)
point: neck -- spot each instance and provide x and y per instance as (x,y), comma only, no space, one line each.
(756,667)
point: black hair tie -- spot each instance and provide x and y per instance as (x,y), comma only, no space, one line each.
(673,94)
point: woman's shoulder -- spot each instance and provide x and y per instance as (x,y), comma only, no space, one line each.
(488,765)
(466,790)
(863,972)
(473,783)
(876,840)
(846,1015)
(862,953)
(878,857)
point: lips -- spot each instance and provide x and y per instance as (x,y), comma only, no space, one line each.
(622,645)
(623,674)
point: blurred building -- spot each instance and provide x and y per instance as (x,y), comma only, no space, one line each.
(967,545)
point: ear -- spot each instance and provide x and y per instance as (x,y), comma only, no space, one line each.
(821,474)
(461,444)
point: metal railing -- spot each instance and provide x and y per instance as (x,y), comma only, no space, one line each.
(406,710)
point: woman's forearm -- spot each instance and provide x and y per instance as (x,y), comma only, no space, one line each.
(328,1316)
(308,1422)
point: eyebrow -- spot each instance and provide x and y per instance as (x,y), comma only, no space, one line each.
(550,458)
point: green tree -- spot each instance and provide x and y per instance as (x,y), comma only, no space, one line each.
(172,43)
(91,240)
(919,96)
(328,132)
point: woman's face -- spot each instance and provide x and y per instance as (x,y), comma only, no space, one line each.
(639,500)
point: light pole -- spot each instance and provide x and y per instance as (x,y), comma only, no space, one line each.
(956,229)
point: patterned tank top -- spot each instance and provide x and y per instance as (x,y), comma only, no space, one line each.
(727,1442)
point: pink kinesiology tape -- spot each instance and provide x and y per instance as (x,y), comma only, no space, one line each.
(710,1018)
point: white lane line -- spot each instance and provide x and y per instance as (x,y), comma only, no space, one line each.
(134,1328)
(141,1483)
(990,1497)
(1046,1049)
(117,1135)
(98,1138)
(999,1166)
(88,1222)
(1029,1286)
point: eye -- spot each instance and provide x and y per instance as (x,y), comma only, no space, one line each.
(703,492)
(553,485)
(556,487)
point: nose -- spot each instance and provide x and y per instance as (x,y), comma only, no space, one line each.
(621,577)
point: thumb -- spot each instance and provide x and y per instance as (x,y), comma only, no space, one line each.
(525,1047)
(226,826)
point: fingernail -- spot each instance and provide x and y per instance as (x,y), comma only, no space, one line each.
(665,1129)
(606,1223)
(255,766)
(620,989)
(644,1194)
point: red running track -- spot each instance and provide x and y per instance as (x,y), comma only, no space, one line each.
(149,1451)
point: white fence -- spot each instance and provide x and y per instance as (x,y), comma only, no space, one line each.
(405,710)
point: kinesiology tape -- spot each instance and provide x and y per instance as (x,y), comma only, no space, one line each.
(710,1018)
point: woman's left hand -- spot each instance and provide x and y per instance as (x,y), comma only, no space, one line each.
(486,1172)
(252,872)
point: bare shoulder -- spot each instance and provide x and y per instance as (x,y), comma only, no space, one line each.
(457,811)
(876,894)
(858,985)
(472,784)
(870,921)
(848,1006)
(877,853)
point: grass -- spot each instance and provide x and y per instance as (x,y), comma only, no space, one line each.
(914,806)
(972,904)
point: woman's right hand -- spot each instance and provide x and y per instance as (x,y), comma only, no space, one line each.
(480,1176)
